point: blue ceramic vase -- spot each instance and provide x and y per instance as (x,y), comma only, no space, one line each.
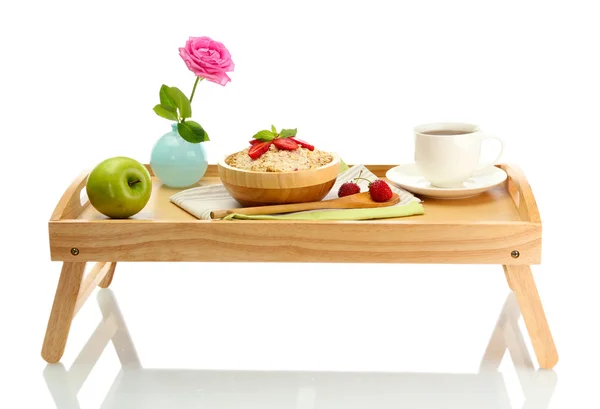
(177,162)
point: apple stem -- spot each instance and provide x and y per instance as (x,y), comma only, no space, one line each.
(133,183)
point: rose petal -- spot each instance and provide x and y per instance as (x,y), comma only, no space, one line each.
(223,79)
(207,58)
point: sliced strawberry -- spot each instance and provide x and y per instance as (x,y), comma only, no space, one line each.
(303,144)
(286,144)
(255,141)
(257,150)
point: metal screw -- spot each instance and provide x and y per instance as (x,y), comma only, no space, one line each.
(515,254)
(74,251)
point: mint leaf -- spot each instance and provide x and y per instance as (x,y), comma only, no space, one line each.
(166,111)
(164,98)
(192,132)
(181,101)
(273,129)
(265,135)
(286,133)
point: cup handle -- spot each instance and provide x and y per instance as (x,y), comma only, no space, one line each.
(482,167)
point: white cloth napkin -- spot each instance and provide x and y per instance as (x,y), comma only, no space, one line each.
(201,201)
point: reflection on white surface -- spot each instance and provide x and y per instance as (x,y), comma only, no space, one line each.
(139,387)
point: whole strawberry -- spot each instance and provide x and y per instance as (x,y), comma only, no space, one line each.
(348,188)
(380,191)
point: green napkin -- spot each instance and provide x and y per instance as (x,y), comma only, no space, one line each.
(405,208)
(410,209)
(343,166)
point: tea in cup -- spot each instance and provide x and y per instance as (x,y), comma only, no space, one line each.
(447,153)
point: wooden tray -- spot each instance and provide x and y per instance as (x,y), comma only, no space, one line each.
(501,226)
(487,229)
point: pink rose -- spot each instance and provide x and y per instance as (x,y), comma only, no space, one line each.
(208,59)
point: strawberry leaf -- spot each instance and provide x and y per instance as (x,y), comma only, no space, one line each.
(265,135)
(286,133)
(273,129)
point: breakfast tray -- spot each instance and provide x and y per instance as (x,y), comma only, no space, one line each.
(501,226)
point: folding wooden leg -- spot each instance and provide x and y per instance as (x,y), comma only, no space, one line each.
(510,285)
(520,280)
(108,277)
(71,294)
(63,310)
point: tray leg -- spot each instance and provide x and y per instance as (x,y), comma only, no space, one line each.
(63,311)
(508,279)
(108,277)
(520,280)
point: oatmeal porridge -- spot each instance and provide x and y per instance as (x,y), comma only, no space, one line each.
(279,160)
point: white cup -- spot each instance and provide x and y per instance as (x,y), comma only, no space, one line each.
(447,153)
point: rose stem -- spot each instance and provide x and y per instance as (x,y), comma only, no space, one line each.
(198,79)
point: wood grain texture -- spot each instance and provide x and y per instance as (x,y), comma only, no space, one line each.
(521,193)
(508,279)
(91,280)
(297,241)
(357,201)
(254,196)
(481,229)
(62,312)
(266,188)
(523,285)
(107,280)
(496,205)
(69,206)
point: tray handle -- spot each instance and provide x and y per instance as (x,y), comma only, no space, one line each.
(521,193)
(70,204)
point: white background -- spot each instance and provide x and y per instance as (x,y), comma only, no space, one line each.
(78,83)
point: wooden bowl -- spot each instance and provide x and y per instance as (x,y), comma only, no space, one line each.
(266,188)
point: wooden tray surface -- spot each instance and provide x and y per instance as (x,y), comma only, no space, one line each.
(493,205)
(499,220)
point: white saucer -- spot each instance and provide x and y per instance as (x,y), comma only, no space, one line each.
(408,177)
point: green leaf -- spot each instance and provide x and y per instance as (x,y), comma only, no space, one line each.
(343,166)
(265,135)
(164,98)
(166,111)
(286,133)
(192,132)
(273,129)
(181,101)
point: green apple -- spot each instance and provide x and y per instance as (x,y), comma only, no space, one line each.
(119,187)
